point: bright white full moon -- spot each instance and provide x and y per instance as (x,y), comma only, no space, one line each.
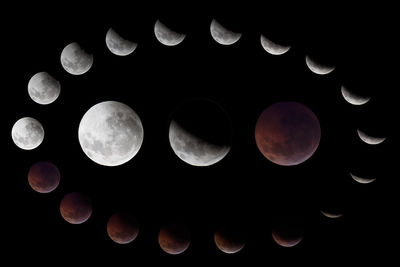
(27,133)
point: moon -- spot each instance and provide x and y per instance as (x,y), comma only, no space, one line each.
(43,88)
(362,180)
(110,133)
(76,208)
(75,60)
(317,67)
(167,36)
(331,215)
(369,139)
(229,241)
(27,133)
(200,138)
(287,133)
(287,233)
(222,35)
(353,98)
(272,47)
(44,177)
(122,228)
(174,238)
(118,45)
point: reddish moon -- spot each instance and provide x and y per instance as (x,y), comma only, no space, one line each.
(288,232)
(228,240)
(76,208)
(122,228)
(174,238)
(287,133)
(43,177)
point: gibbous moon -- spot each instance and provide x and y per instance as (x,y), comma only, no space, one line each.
(229,241)
(174,238)
(27,133)
(118,45)
(43,177)
(43,88)
(110,133)
(353,98)
(200,138)
(317,67)
(167,36)
(362,180)
(369,139)
(76,208)
(75,60)
(272,47)
(122,228)
(222,35)
(331,215)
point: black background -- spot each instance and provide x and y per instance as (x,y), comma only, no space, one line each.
(243,79)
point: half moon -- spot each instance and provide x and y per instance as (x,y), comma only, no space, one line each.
(272,47)
(331,215)
(222,35)
(371,140)
(118,45)
(362,180)
(318,68)
(166,36)
(353,98)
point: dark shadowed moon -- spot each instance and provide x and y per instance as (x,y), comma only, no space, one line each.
(76,208)
(229,240)
(287,133)
(43,177)
(287,232)
(122,228)
(174,238)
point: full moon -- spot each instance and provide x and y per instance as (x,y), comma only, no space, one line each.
(287,133)
(174,238)
(43,177)
(110,133)
(75,60)
(43,88)
(27,133)
(76,208)
(122,228)
(118,45)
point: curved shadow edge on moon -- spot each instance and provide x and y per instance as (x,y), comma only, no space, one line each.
(272,47)
(76,208)
(362,180)
(331,215)
(370,140)
(118,45)
(222,35)
(27,133)
(167,36)
(44,177)
(318,68)
(192,149)
(43,88)
(353,98)
(75,60)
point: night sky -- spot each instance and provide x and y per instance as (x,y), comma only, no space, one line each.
(244,187)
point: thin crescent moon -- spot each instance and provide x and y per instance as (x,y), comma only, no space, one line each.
(272,47)
(318,68)
(353,98)
(371,140)
(362,180)
(331,215)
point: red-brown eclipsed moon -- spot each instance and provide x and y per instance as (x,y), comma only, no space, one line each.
(76,208)
(174,238)
(43,177)
(122,228)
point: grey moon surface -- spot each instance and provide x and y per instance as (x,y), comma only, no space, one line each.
(166,36)
(75,60)
(352,98)
(192,149)
(110,133)
(317,67)
(118,45)
(331,215)
(43,88)
(371,140)
(362,180)
(27,133)
(222,35)
(272,47)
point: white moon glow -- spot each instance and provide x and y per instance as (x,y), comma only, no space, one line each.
(362,180)
(27,133)
(222,35)
(110,133)
(118,45)
(272,47)
(353,98)
(43,88)
(370,139)
(331,215)
(75,60)
(167,36)
(317,67)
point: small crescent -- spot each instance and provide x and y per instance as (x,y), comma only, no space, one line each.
(352,98)
(272,47)
(362,180)
(371,140)
(318,68)
(331,215)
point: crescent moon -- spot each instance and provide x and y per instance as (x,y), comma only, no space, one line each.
(331,215)
(118,45)
(318,68)
(362,180)
(166,36)
(353,98)
(371,140)
(272,47)
(222,35)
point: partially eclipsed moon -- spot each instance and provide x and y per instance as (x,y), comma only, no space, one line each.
(27,133)
(317,67)
(272,47)
(76,208)
(75,60)
(369,139)
(353,98)
(166,36)
(43,88)
(362,180)
(118,45)
(331,215)
(222,35)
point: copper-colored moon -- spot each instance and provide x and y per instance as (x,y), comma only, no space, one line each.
(122,228)
(174,238)
(229,241)
(288,232)
(76,208)
(43,177)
